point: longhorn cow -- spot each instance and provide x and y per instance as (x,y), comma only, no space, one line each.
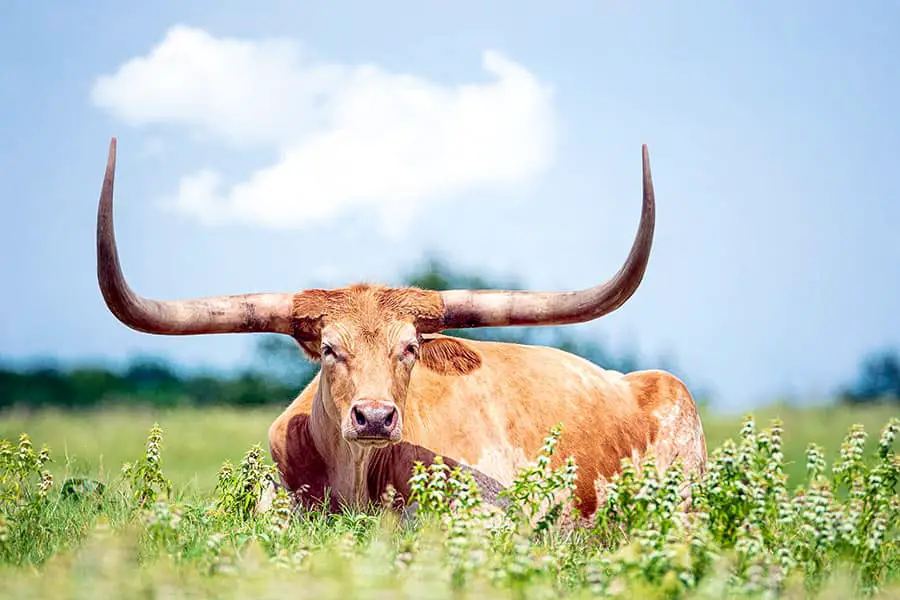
(391,390)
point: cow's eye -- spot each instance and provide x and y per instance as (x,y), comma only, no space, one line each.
(327,351)
(411,351)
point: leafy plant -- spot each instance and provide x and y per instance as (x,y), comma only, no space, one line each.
(736,530)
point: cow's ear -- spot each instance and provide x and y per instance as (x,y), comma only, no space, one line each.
(448,356)
(310,349)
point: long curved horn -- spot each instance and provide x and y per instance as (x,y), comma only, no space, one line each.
(247,313)
(496,308)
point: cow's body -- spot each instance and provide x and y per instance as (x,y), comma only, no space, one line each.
(495,418)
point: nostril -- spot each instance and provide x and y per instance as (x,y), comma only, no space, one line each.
(358,417)
(390,417)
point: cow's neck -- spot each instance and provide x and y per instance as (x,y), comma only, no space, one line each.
(347,464)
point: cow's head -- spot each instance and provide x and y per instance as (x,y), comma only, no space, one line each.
(368,339)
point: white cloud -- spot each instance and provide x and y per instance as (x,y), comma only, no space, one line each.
(347,136)
(153,147)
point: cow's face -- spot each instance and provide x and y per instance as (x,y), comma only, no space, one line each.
(366,375)
(367,344)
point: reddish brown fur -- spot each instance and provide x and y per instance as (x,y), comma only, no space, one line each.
(366,306)
(449,356)
(485,404)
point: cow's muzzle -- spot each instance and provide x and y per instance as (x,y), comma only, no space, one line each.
(374,422)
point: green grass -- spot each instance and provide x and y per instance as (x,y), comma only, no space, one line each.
(823,425)
(97,443)
(198,440)
(753,531)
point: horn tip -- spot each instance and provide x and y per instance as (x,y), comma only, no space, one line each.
(111,157)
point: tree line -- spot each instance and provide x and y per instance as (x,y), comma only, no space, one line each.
(280,370)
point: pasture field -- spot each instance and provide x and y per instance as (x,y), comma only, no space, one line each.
(772,517)
(199,440)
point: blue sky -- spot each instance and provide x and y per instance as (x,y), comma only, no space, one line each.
(773,131)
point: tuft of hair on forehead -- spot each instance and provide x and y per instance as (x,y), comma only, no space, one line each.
(367,308)
(365,305)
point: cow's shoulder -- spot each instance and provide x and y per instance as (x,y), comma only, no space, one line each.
(301,467)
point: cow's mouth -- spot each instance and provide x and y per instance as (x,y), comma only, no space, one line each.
(374,442)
